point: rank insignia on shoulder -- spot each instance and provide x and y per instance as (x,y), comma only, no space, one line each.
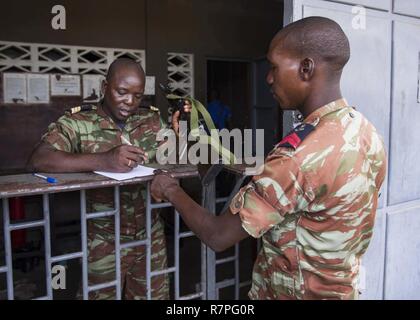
(296,136)
(85,107)
(152,108)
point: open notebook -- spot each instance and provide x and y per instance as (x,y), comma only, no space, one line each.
(139,171)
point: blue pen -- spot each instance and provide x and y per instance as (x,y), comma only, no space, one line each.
(48,179)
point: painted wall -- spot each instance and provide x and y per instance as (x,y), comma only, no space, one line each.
(219,29)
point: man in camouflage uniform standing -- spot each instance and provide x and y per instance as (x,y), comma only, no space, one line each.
(95,138)
(315,201)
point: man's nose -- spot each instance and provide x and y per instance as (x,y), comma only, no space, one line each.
(129,100)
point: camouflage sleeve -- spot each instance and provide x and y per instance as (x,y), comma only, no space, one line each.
(281,189)
(63,135)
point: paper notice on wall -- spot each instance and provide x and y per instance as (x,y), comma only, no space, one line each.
(38,88)
(92,87)
(65,85)
(14,88)
(149,89)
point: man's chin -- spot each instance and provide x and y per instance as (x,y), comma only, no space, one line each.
(286,107)
(119,118)
(281,103)
(123,115)
(290,108)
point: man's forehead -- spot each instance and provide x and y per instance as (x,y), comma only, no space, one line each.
(127,76)
(276,49)
(281,45)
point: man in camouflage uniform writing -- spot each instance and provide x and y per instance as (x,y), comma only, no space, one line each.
(315,201)
(95,139)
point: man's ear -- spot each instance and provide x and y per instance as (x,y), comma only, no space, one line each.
(104,85)
(306,69)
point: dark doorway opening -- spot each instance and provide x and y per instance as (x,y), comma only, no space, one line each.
(232,79)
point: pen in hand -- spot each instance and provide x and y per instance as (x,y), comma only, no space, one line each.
(48,179)
(125,140)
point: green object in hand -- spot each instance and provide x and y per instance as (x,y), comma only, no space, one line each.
(214,139)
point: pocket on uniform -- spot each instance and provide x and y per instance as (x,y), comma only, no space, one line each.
(286,272)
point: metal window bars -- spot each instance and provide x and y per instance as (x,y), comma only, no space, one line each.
(24,185)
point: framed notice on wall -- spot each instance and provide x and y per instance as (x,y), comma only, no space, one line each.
(65,85)
(92,87)
(38,88)
(150,86)
(14,87)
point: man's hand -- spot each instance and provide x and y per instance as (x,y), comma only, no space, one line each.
(162,185)
(124,158)
(176,115)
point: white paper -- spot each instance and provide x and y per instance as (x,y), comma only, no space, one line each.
(65,85)
(14,87)
(149,89)
(139,171)
(38,88)
(92,87)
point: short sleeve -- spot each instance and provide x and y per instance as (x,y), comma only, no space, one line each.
(63,135)
(281,189)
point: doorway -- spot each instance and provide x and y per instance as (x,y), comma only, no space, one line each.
(232,80)
(243,88)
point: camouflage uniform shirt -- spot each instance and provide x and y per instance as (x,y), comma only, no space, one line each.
(314,208)
(92,132)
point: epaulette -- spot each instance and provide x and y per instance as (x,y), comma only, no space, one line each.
(296,136)
(154,109)
(151,108)
(84,107)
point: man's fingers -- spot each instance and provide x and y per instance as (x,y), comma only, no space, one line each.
(155,190)
(133,159)
(136,159)
(175,116)
(175,121)
(157,199)
(187,106)
(134,149)
(137,155)
(156,195)
(132,163)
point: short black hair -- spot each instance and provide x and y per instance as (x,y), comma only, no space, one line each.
(119,63)
(317,38)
